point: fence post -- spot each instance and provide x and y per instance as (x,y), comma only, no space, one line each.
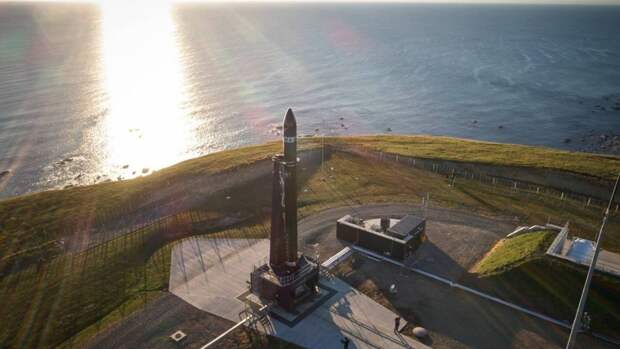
(562,197)
(590,199)
(396,157)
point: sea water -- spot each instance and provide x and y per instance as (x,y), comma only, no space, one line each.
(91,93)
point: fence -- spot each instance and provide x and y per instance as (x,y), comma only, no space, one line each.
(455,174)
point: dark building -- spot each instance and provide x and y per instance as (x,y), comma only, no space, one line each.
(394,238)
(289,277)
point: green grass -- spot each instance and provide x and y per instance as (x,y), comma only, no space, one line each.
(75,295)
(553,287)
(32,225)
(464,150)
(509,253)
(517,270)
(70,296)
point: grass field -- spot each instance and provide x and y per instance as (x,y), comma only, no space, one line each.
(66,297)
(448,148)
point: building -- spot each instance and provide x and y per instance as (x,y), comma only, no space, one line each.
(580,251)
(394,238)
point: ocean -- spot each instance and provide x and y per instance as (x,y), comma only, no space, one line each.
(90,93)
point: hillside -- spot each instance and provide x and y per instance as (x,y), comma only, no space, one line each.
(500,154)
(510,253)
(56,290)
(517,270)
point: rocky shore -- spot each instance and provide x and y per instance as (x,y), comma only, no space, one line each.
(602,143)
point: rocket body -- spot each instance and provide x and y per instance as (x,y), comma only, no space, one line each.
(283,244)
(289,137)
(290,186)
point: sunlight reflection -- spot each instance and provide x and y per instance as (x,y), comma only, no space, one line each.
(145,126)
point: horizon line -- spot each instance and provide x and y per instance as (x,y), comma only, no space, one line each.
(413,2)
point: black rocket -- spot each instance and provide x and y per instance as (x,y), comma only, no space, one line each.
(290,186)
(283,246)
(290,277)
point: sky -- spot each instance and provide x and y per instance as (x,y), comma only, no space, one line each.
(540,2)
(576,2)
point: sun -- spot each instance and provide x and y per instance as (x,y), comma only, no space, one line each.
(145,125)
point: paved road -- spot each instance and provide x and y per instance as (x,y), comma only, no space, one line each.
(324,219)
(457,319)
(456,239)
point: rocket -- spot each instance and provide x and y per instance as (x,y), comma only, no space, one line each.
(289,139)
(283,237)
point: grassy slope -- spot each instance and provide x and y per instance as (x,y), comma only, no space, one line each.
(517,270)
(448,148)
(509,253)
(553,287)
(31,224)
(48,306)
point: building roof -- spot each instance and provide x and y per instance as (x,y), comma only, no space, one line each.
(406,225)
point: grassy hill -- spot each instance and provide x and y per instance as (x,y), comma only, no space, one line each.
(518,270)
(510,253)
(33,225)
(465,150)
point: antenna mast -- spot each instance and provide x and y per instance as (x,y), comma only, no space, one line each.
(586,287)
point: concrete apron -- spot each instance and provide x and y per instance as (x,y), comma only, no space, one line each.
(211,274)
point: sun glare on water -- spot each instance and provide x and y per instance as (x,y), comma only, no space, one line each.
(145,126)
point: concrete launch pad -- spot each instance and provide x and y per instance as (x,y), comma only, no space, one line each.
(213,274)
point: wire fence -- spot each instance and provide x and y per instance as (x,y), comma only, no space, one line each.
(455,174)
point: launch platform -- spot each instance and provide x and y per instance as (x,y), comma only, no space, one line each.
(288,290)
(212,274)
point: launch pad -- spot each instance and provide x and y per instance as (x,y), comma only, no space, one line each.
(303,307)
(289,278)
(287,290)
(212,275)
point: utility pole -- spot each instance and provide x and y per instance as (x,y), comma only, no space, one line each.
(323,148)
(576,327)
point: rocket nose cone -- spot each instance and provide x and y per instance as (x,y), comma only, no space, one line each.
(290,124)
